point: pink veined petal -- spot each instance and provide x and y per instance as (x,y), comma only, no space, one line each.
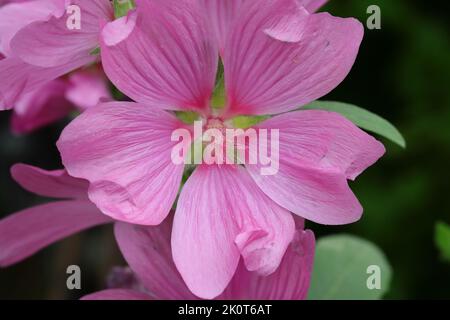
(289,282)
(221,214)
(288,25)
(221,15)
(57,41)
(278,56)
(18,78)
(120,29)
(26,232)
(162,54)
(313,5)
(87,89)
(148,253)
(15,16)
(318,152)
(124,150)
(117,294)
(53,184)
(41,107)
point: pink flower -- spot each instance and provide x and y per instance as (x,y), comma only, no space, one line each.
(26,232)
(87,88)
(56,99)
(39,47)
(41,107)
(277,57)
(147,251)
(15,15)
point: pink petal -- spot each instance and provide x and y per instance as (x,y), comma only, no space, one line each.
(221,16)
(162,54)
(147,251)
(52,43)
(117,294)
(220,215)
(318,152)
(279,57)
(15,16)
(26,232)
(87,89)
(18,78)
(290,281)
(53,184)
(313,5)
(120,29)
(124,150)
(288,25)
(41,107)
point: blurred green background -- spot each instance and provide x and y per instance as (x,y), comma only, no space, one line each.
(402,73)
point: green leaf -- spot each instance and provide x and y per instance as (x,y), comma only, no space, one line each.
(344,268)
(362,118)
(95,51)
(121,7)
(218,99)
(442,239)
(188,117)
(245,122)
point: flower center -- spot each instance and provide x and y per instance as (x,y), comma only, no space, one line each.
(216,123)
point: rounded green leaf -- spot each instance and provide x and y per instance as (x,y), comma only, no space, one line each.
(348,267)
(362,118)
(442,239)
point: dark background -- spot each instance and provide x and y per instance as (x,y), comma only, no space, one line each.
(402,73)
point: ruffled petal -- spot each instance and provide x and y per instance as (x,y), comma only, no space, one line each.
(124,150)
(290,282)
(24,233)
(162,54)
(221,214)
(18,78)
(318,152)
(16,15)
(148,253)
(87,88)
(53,184)
(279,57)
(41,107)
(312,5)
(53,43)
(221,16)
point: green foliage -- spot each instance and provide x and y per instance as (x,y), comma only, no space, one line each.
(95,51)
(343,268)
(442,239)
(218,99)
(362,118)
(244,122)
(188,117)
(121,7)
